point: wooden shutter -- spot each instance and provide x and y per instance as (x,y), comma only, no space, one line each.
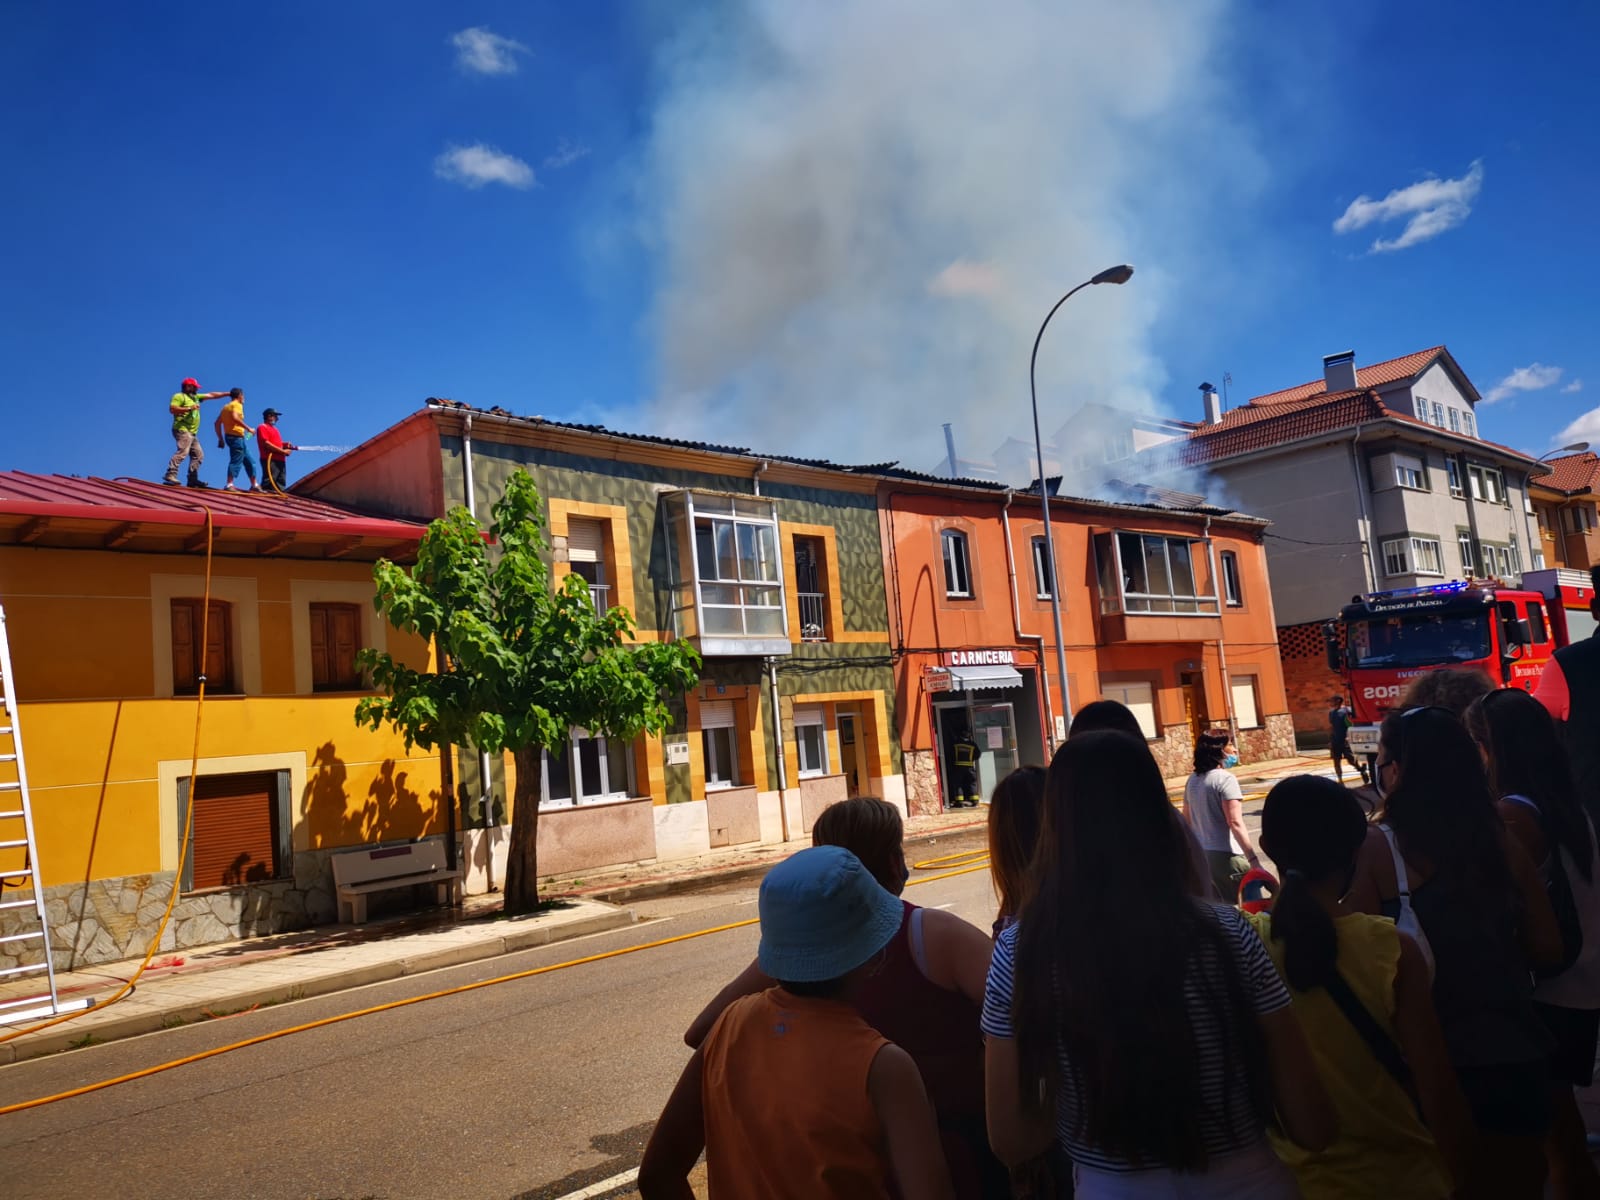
(219,648)
(335,638)
(185,653)
(235,829)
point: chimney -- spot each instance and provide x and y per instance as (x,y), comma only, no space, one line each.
(1339,371)
(1213,403)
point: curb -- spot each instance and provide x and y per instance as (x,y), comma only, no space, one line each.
(135,1023)
(649,889)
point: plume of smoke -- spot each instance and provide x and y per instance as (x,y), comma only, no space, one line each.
(862,211)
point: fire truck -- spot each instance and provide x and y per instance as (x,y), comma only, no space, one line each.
(1384,640)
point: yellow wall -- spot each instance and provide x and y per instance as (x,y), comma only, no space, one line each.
(104,747)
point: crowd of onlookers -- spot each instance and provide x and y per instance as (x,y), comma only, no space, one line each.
(1406,1014)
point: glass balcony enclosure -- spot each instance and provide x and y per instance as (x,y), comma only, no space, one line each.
(1151,574)
(727,573)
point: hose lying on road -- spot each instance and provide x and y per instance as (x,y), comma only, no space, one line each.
(460,989)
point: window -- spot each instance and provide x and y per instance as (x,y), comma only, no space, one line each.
(1515,554)
(957,572)
(1139,699)
(1412,556)
(1246,711)
(187,667)
(1408,471)
(811,741)
(808,576)
(1118,446)
(1042,575)
(1455,420)
(586,549)
(1537,623)
(1158,575)
(1468,562)
(1466,424)
(1454,468)
(586,770)
(1538,560)
(736,553)
(1438,414)
(335,638)
(721,751)
(1488,485)
(238,831)
(1230,579)
(1580,518)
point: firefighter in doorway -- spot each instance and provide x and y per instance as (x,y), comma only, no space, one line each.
(964,775)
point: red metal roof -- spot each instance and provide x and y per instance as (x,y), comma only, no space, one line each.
(140,510)
(1571,473)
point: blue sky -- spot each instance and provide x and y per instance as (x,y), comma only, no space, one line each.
(822,233)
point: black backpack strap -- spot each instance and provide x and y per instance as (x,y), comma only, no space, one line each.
(1380,1043)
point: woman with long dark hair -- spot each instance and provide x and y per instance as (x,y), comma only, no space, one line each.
(1539,804)
(1214,805)
(1143,1028)
(1441,864)
(1362,992)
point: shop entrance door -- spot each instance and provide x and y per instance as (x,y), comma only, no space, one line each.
(995,731)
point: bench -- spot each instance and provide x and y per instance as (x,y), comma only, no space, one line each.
(359,873)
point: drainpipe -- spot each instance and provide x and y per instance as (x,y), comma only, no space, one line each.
(1222,642)
(1016,616)
(777,745)
(485,780)
(755,480)
(1368,568)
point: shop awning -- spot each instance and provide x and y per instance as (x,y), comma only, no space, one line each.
(973,679)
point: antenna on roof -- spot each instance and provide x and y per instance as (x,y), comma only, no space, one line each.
(1227,382)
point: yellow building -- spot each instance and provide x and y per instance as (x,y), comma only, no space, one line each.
(101,583)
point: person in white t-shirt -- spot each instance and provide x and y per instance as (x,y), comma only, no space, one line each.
(1214,805)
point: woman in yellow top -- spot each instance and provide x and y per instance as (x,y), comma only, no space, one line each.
(1362,991)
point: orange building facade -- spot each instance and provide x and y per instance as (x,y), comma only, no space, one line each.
(1165,608)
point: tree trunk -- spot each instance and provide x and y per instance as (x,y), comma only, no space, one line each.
(522,858)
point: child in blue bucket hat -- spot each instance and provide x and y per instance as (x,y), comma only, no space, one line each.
(792,1095)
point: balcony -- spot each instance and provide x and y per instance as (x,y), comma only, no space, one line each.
(726,577)
(1148,589)
(813,616)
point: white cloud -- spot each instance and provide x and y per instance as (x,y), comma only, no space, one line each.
(1533,378)
(564,155)
(476,165)
(1585,429)
(1572,388)
(1430,206)
(963,278)
(486,53)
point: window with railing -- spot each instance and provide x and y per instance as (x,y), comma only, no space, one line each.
(586,554)
(1147,573)
(809,574)
(736,563)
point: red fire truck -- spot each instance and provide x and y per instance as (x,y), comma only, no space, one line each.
(1384,640)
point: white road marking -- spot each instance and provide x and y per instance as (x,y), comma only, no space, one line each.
(604,1188)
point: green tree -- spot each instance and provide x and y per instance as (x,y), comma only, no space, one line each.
(521,662)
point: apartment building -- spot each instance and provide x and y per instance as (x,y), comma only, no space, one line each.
(1564,500)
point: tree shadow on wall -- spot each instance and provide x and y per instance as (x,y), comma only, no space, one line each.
(392,809)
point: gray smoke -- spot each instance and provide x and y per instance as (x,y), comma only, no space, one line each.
(862,211)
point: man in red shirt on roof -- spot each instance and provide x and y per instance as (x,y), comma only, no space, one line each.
(274,451)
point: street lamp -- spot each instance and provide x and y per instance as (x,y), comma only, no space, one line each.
(1117,274)
(1575,448)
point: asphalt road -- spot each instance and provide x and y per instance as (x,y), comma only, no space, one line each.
(533,1089)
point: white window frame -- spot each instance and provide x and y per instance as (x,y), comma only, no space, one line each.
(609,793)
(1041,576)
(810,716)
(1466,425)
(1409,472)
(1455,419)
(957,562)
(1396,556)
(1148,603)
(715,716)
(1232,584)
(1424,550)
(1139,697)
(1468,558)
(1414,556)
(1250,687)
(1453,469)
(711,511)
(1438,414)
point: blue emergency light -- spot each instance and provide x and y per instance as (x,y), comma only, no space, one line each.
(1437,589)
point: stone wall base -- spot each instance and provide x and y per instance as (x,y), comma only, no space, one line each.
(923,798)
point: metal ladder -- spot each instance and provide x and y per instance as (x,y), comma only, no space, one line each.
(15,808)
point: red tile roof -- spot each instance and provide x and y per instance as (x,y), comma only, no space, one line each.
(45,509)
(1571,473)
(1378,375)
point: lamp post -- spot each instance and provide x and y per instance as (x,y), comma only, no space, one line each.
(1117,274)
(1575,448)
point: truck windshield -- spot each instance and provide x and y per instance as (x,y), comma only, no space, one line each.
(1419,640)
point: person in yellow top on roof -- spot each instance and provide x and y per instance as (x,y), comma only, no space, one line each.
(231,434)
(185,408)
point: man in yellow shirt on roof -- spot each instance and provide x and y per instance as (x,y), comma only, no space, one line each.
(231,433)
(185,406)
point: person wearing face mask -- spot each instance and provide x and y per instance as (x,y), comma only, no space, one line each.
(1214,804)
(925,997)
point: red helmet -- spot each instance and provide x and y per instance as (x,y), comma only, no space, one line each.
(194,383)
